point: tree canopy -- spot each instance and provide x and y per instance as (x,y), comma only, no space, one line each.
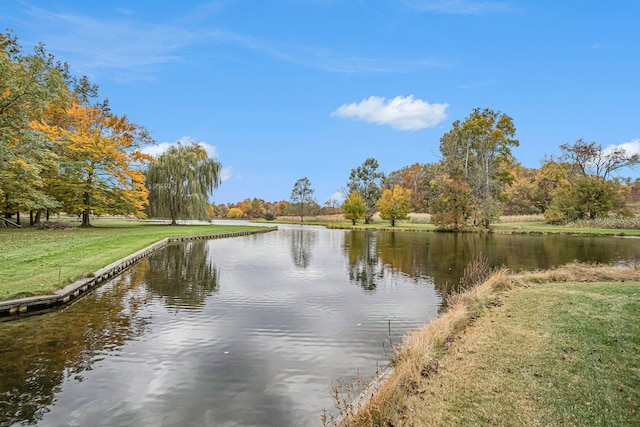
(98,151)
(57,151)
(354,208)
(180,183)
(367,181)
(301,195)
(478,152)
(395,204)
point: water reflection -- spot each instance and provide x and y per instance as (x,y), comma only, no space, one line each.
(247,331)
(365,266)
(301,243)
(183,275)
(39,353)
(443,256)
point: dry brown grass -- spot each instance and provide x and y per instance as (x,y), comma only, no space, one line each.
(517,219)
(417,358)
(582,272)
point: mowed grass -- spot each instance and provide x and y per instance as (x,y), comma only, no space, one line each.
(518,352)
(35,262)
(514,224)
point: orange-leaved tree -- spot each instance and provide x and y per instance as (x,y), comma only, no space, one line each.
(100,161)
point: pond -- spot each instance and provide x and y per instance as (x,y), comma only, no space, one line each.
(248,331)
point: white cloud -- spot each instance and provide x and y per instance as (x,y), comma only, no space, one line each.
(226,173)
(157,149)
(402,113)
(338,196)
(632,147)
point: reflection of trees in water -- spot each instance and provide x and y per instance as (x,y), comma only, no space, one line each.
(444,256)
(302,242)
(184,275)
(39,353)
(365,269)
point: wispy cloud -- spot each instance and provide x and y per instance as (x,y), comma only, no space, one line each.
(319,57)
(130,50)
(459,7)
(124,47)
(226,173)
(401,113)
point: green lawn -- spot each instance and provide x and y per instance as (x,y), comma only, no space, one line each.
(552,354)
(520,224)
(542,227)
(558,353)
(34,262)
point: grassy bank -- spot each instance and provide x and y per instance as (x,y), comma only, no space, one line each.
(36,262)
(554,348)
(517,224)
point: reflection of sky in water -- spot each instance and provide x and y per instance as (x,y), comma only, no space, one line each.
(259,336)
(265,348)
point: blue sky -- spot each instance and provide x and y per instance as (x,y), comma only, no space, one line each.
(282,89)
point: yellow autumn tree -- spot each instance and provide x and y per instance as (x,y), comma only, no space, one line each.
(235,213)
(395,204)
(354,208)
(100,162)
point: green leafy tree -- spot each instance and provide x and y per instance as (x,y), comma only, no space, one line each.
(587,198)
(395,204)
(34,88)
(478,151)
(301,195)
(354,208)
(181,182)
(30,87)
(367,181)
(453,206)
(586,190)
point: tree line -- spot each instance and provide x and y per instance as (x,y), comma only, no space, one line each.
(64,150)
(60,148)
(477,179)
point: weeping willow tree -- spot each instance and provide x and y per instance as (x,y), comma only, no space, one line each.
(180,183)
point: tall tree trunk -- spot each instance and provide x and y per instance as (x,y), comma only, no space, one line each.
(86,221)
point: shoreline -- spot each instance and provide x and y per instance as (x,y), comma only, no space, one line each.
(425,354)
(20,307)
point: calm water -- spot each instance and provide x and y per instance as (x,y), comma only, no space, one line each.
(247,331)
